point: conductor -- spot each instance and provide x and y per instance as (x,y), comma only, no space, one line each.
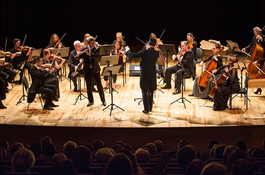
(147,72)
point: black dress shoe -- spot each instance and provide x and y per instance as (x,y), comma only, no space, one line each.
(104,103)
(54,105)
(2,106)
(176,92)
(166,87)
(191,95)
(90,104)
(258,91)
(94,89)
(56,98)
(144,111)
(75,89)
(48,107)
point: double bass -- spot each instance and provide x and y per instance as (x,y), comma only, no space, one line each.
(206,75)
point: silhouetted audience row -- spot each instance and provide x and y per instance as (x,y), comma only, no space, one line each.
(219,159)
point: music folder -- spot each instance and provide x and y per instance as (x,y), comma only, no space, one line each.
(63,52)
(109,60)
(34,53)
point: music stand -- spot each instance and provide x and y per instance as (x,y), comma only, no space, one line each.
(181,99)
(109,60)
(110,71)
(33,54)
(80,95)
(63,52)
(166,50)
(233,46)
(105,49)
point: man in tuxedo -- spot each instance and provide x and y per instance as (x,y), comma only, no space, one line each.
(90,54)
(185,65)
(147,72)
(38,74)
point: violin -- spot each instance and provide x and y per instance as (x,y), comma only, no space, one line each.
(5,54)
(24,48)
(54,57)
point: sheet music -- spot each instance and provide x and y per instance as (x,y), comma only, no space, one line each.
(206,45)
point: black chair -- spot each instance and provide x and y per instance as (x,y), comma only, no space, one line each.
(243,91)
(26,85)
(199,56)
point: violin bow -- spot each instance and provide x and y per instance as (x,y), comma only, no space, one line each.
(162,33)
(140,40)
(59,42)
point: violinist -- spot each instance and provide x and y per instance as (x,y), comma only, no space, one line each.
(185,65)
(52,78)
(84,43)
(90,54)
(120,37)
(55,42)
(2,92)
(122,58)
(231,85)
(20,57)
(260,39)
(192,44)
(199,91)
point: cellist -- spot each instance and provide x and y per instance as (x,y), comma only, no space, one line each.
(199,91)
(260,39)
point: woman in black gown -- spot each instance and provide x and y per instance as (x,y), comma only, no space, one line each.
(231,85)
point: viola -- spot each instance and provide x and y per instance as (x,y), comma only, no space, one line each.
(205,76)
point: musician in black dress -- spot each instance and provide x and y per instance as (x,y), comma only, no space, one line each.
(20,57)
(91,69)
(55,42)
(38,73)
(2,93)
(231,85)
(120,61)
(260,39)
(192,44)
(147,72)
(185,65)
(201,92)
(53,78)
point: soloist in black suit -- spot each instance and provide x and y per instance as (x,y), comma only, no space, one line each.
(38,86)
(147,74)
(92,69)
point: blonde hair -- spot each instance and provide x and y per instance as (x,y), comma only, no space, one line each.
(51,39)
(23,160)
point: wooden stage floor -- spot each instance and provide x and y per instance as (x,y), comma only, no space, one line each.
(163,115)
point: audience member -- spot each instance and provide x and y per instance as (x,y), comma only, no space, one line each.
(212,143)
(68,148)
(219,151)
(153,148)
(234,156)
(250,151)
(90,147)
(3,153)
(64,167)
(228,150)
(116,147)
(142,155)
(15,146)
(213,168)
(128,146)
(119,164)
(97,144)
(81,158)
(159,145)
(242,167)
(195,167)
(4,144)
(45,140)
(258,153)
(103,155)
(23,160)
(49,150)
(183,143)
(184,156)
(241,144)
(36,148)
(58,157)
(120,143)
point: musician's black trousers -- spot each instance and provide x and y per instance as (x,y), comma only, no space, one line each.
(147,100)
(88,77)
(49,91)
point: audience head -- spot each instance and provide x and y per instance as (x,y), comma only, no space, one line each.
(36,148)
(250,150)
(128,146)
(49,150)
(58,157)
(3,153)
(153,148)
(142,155)
(195,167)
(219,151)
(103,155)
(214,168)
(89,146)
(119,164)
(81,158)
(116,147)
(131,156)
(183,143)
(68,148)
(228,150)
(258,153)
(234,156)
(242,167)
(98,144)
(64,167)
(120,143)
(4,144)
(16,146)
(241,144)
(212,143)
(45,140)
(185,155)
(159,145)
(23,160)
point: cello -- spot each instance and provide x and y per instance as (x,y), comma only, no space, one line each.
(205,76)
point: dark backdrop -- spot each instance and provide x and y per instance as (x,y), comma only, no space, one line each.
(210,19)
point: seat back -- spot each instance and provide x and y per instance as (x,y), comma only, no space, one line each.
(198,53)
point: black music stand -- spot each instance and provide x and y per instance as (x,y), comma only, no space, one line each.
(181,99)
(105,49)
(166,50)
(80,95)
(110,71)
(109,61)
